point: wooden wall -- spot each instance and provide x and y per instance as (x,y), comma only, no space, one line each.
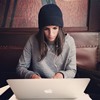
(24,13)
(94,15)
(82,15)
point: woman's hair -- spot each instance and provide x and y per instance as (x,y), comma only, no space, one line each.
(43,43)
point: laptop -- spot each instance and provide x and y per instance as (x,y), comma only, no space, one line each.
(48,89)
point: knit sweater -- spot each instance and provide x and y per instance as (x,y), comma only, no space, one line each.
(65,63)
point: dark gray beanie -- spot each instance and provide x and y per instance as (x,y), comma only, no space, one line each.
(50,14)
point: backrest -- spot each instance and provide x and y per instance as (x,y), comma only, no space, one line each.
(13,41)
(87,49)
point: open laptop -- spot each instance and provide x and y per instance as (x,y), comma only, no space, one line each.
(47,89)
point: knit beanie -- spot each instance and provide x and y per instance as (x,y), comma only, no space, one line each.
(50,14)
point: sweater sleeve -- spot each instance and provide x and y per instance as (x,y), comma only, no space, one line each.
(25,61)
(70,67)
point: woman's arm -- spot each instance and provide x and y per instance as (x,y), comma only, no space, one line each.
(25,61)
(70,67)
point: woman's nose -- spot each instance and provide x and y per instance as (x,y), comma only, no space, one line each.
(51,32)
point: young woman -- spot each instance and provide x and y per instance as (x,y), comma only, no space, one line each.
(50,53)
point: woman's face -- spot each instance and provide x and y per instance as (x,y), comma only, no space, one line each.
(51,32)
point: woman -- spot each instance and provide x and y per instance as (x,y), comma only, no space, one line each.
(50,53)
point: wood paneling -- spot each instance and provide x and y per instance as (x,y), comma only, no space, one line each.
(74,12)
(26,13)
(94,15)
(78,15)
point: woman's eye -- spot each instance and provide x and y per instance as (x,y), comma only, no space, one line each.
(55,28)
(45,29)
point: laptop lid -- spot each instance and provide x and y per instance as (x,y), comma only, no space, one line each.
(48,88)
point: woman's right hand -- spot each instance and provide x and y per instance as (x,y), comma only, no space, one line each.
(35,76)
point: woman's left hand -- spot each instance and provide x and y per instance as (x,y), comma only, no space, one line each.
(58,75)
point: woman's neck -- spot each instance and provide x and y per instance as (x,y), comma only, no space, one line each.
(51,42)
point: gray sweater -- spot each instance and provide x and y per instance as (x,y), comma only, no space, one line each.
(65,63)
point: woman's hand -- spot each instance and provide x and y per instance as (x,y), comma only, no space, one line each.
(35,76)
(58,75)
